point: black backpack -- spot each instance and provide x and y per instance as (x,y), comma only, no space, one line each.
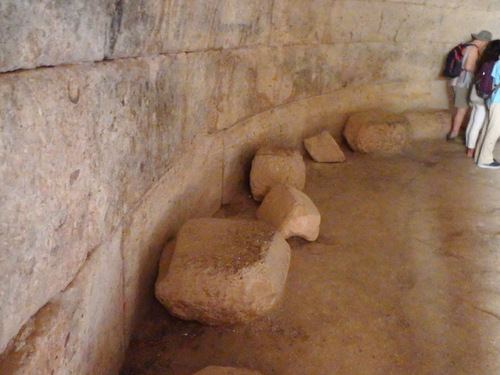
(453,64)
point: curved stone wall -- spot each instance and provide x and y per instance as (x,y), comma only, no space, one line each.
(119,120)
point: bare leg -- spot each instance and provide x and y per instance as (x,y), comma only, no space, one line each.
(458,119)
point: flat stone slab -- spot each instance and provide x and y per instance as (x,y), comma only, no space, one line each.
(224,271)
(217,370)
(274,166)
(291,212)
(377,131)
(323,149)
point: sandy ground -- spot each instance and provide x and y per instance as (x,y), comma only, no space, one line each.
(404,279)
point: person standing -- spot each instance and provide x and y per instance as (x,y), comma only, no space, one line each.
(478,112)
(461,85)
(486,159)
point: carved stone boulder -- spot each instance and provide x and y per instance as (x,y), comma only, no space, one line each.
(377,131)
(274,166)
(324,149)
(291,212)
(224,271)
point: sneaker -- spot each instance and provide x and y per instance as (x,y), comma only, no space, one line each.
(493,165)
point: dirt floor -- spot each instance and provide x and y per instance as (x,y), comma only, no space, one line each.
(403,279)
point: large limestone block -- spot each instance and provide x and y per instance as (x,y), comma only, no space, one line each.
(323,148)
(176,25)
(274,166)
(41,33)
(65,186)
(224,271)
(377,131)
(428,124)
(217,370)
(290,211)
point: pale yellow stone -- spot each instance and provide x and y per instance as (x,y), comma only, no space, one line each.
(217,370)
(323,148)
(428,124)
(196,181)
(274,166)
(81,331)
(66,186)
(224,271)
(284,125)
(41,33)
(290,211)
(377,131)
(39,347)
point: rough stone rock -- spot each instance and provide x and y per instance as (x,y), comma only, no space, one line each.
(377,131)
(216,370)
(274,166)
(428,124)
(323,148)
(291,212)
(224,271)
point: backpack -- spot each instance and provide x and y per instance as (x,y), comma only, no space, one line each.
(484,81)
(453,64)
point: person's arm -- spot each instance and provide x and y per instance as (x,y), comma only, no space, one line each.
(472,58)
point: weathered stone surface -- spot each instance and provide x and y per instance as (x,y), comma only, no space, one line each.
(217,370)
(224,271)
(284,126)
(243,84)
(39,347)
(428,124)
(272,166)
(96,343)
(329,21)
(79,147)
(191,188)
(291,212)
(151,27)
(303,71)
(323,148)
(81,331)
(377,131)
(41,33)
(64,186)
(53,33)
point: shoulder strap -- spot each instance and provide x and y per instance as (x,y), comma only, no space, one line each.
(466,53)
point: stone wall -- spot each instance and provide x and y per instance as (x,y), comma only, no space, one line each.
(119,120)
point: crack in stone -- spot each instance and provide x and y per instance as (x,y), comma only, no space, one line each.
(115,27)
(492,314)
